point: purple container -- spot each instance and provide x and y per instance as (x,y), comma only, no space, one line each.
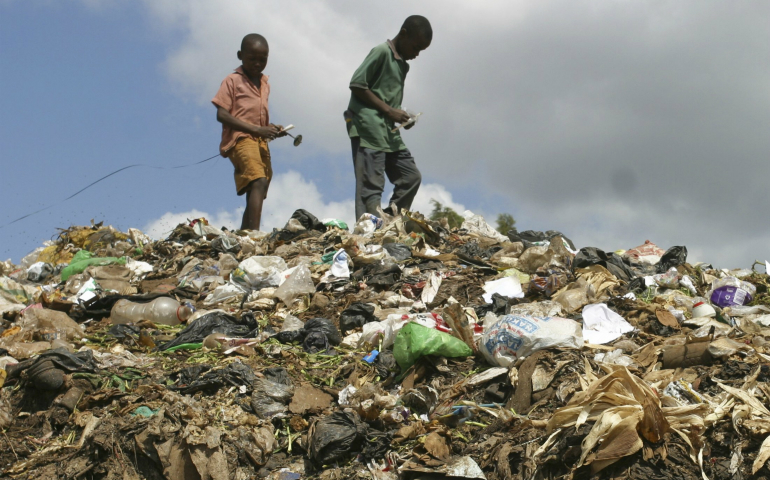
(730,297)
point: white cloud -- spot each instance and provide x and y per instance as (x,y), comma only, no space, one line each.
(163,226)
(613,122)
(434,191)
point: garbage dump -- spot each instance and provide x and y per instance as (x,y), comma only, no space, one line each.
(395,350)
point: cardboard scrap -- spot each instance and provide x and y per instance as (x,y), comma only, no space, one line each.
(309,399)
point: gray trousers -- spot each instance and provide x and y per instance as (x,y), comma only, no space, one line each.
(371,166)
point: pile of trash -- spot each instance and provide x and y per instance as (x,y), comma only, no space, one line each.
(398,349)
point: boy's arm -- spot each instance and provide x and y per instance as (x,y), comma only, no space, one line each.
(225,118)
(371,100)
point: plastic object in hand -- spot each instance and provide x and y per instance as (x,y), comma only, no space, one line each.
(161,310)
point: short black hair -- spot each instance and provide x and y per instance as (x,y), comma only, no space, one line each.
(251,39)
(417,24)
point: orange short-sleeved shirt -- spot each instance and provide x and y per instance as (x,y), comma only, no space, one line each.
(241,97)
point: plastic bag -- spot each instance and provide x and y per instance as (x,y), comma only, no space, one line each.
(336,437)
(84,259)
(191,380)
(258,272)
(47,325)
(476,224)
(308,220)
(588,256)
(225,244)
(729,291)
(648,253)
(298,283)
(356,315)
(399,251)
(325,326)
(273,393)
(292,323)
(673,257)
(367,224)
(333,222)
(414,341)
(517,336)
(39,271)
(214,322)
(669,279)
(601,325)
(509,287)
(339,266)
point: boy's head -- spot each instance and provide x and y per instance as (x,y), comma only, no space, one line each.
(415,36)
(253,54)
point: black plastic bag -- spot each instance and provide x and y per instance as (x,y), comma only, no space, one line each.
(398,251)
(308,220)
(383,273)
(214,322)
(531,237)
(378,444)
(277,375)
(291,336)
(316,342)
(226,244)
(673,257)
(356,315)
(124,330)
(62,359)
(325,326)
(337,437)
(471,249)
(234,374)
(386,364)
(613,262)
(273,393)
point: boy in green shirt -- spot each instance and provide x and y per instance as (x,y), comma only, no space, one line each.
(377,89)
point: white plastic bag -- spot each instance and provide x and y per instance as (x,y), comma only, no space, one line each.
(601,325)
(258,272)
(339,266)
(476,224)
(516,336)
(298,283)
(509,287)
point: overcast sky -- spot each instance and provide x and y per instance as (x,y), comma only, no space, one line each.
(611,121)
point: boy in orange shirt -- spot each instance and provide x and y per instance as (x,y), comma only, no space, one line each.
(242,110)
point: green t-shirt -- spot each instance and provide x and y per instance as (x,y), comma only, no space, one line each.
(383,72)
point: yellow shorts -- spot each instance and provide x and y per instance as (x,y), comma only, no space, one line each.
(251,159)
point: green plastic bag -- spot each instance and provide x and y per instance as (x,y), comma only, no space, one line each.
(414,341)
(84,259)
(337,223)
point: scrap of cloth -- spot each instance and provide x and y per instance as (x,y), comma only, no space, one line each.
(383,72)
(245,101)
(251,159)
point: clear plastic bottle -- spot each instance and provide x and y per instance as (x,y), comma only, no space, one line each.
(161,310)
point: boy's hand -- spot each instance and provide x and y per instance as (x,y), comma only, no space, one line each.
(281,133)
(269,132)
(397,115)
(410,125)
